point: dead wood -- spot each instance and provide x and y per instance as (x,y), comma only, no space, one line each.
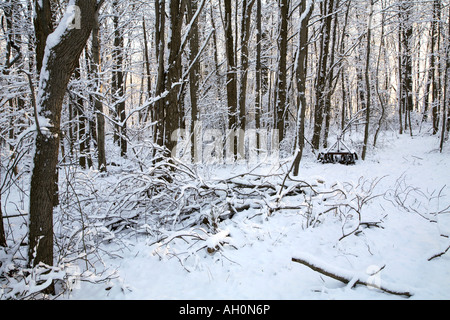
(346,277)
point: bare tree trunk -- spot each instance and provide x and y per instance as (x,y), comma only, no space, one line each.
(172,104)
(321,87)
(245,35)
(342,71)
(216,58)
(405,64)
(381,97)
(408,78)
(435,84)
(98,105)
(301,67)
(258,73)
(330,79)
(58,64)
(160,15)
(2,227)
(118,82)
(431,68)
(231,73)
(84,160)
(194,76)
(43,26)
(280,103)
(400,80)
(367,80)
(144,116)
(446,88)
(11,9)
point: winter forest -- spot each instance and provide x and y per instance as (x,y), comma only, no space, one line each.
(224,149)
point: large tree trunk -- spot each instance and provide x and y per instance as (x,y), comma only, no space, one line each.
(280,103)
(62,52)
(172,104)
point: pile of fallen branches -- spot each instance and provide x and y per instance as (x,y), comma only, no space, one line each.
(173,196)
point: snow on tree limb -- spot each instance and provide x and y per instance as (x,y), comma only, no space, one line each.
(347,276)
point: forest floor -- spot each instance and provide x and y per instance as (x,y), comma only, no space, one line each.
(410,183)
(383,223)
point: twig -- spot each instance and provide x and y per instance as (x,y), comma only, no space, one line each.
(439,254)
(33,100)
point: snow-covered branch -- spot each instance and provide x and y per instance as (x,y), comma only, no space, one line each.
(351,278)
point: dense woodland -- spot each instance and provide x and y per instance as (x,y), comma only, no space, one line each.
(174,84)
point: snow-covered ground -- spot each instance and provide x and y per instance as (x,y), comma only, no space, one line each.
(254,260)
(382,221)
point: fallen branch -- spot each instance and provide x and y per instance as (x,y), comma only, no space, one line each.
(439,254)
(346,276)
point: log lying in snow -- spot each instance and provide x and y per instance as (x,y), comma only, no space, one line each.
(346,276)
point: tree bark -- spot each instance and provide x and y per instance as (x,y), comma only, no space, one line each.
(321,87)
(367,80)
(345,276)
(446,93)
(98,105)
(160,19)
(43,26)
(194,76)
(301,68)
(231,75)
(2,227)
(245,35)
(381,96)
(330,78)
(435,85)
(405,64)
(118,82)
(172,105)
(280,103)
(84,160)
(430,83)
(258,77)
(62,52)
(144,115)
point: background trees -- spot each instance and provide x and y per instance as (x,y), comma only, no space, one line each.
(243,55)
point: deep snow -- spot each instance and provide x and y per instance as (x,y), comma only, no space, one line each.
(254,261)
